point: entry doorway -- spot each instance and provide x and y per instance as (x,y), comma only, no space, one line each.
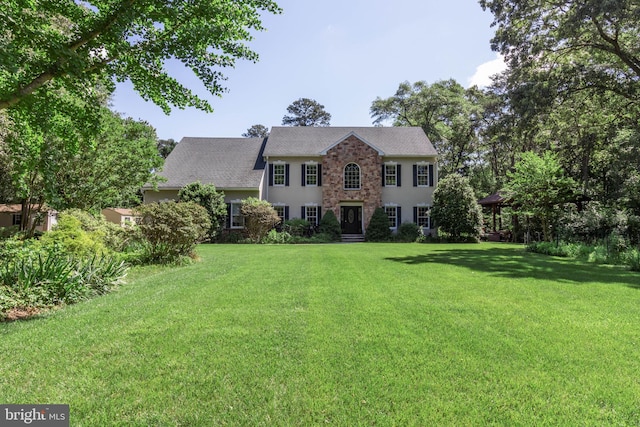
(351,219)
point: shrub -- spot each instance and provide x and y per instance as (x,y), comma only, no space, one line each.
(455,208)
(70,236)
(213,201)
(297,227)
(632,259)
(330,225)
(259,218)
(275,237)
(378,229)
(408,232)
(113,236)
(172,230)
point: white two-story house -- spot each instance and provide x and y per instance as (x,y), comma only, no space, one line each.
(305,171)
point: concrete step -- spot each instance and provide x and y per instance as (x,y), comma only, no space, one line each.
(352,238)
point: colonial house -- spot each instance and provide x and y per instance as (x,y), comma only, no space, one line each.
(305,171)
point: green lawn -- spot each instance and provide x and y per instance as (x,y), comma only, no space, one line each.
(359,334)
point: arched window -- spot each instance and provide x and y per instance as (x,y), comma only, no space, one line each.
(352,177)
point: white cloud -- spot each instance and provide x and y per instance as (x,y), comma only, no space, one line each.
(482,77)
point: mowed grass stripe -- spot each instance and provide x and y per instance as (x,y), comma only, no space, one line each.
(361,334)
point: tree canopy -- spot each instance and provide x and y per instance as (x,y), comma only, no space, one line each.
(74,45)
(306,112)
(256,131)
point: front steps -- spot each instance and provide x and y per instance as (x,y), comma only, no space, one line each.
(352,238)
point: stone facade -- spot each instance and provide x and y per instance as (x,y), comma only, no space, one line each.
(352,150)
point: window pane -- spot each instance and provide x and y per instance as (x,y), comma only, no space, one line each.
(392,213)
(312,174)
(390,175)
(312,215)
(423,175)
(352,177)
(278,174)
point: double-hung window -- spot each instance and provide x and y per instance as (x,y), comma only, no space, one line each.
(279,174)
(16,219)
(391,175)
(311,213)
(422,175)
(282,211)
(236,218)
(311,174)
(422,216)
(393,213)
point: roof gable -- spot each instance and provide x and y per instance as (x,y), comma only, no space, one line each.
(349,135)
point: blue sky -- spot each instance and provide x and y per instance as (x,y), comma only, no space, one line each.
(343,54)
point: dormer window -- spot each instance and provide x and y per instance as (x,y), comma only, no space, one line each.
(352,177)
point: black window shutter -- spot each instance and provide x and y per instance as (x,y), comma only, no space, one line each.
(270,174)
(398,176)
(415,175)
(304,175)
(398,215)
(415,214)
(286,213)
(286,175)
(228,219)
(430,175)
(303,212)
(383,173)
(319,216)
(319,175)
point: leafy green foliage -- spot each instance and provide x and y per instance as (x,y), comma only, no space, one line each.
(206,196)
(455,208)
(539,187)
(165,147)
(330,225)
(72,238)
(172,230)
(297,227)
(259,218)
(378,228)
(306,112)
(256,131)
(449,114)
(408,232)
(71,45)
(52,277)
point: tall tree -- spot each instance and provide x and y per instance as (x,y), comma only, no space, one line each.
(256,131)
(539,187)
(165,147)
(449,114)
(575,44)
(455,207)
(108,170)
(306,112)
(70,44)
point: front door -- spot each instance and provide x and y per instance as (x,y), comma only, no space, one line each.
(351,219)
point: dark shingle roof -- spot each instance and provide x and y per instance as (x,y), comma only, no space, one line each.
(223,162)
(306,140)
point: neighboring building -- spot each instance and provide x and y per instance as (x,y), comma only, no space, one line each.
(11,215)
(304,171)
(120,216)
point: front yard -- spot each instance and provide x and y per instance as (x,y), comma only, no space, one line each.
(360,334)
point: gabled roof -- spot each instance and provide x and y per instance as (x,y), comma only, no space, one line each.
(313,141)
(223,162)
